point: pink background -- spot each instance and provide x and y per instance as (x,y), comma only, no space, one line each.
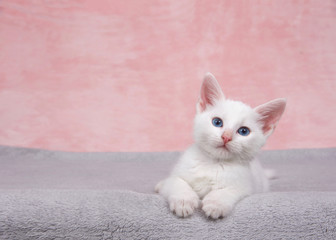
(125,75)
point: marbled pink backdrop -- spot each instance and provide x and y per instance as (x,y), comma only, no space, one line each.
(107,75)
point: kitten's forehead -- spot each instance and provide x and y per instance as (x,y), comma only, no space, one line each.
(232,110)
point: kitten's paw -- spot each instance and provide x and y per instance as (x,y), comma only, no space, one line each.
(158,187)
(183,206)
(216,208)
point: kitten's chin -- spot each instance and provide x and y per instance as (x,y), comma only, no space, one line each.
(218,152)
(226,153)
(223,152)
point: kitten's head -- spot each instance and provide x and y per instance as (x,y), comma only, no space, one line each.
(231,130)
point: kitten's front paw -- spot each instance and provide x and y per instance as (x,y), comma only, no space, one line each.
(215,208)
(183,206)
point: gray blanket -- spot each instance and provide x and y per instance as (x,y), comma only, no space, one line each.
(59,195)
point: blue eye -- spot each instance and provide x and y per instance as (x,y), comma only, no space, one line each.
(217,122)
(244,131)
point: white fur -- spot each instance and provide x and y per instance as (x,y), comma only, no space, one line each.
(210,175)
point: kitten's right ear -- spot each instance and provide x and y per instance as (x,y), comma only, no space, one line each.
(270,114)
(210,92)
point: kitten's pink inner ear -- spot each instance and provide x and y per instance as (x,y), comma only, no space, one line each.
(210,91)
(270,113)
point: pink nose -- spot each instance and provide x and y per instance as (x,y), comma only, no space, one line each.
(227,137)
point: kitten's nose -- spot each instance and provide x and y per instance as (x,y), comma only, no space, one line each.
(227,136)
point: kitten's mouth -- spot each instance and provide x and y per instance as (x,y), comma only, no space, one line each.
(224,147)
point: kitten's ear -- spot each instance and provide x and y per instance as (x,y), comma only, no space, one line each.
(270,114)
(210,92)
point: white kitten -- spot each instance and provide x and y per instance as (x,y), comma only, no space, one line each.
(220,168)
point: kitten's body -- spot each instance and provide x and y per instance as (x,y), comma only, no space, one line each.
(220,168)
(204,174)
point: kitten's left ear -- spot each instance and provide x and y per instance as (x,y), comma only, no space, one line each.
(270,114)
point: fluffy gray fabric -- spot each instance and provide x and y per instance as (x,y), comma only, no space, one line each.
(58,195)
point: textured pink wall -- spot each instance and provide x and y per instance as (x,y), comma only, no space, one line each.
(125,75)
